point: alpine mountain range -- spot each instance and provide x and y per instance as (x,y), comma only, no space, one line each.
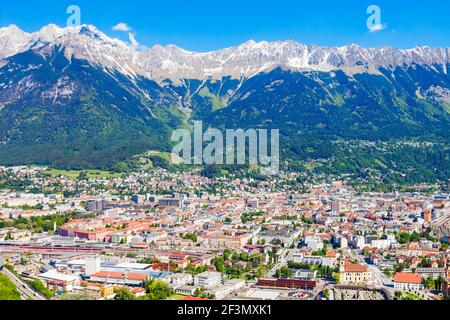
(76,98)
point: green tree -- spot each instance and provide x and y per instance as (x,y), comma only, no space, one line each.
(190,236)
(284,272)
(226,254)
(439,283)
(158,290)
(219,264)
(38,286)
(428,283)
(82,176)
(123,294)
(336,277)
(131,254)
(321,252)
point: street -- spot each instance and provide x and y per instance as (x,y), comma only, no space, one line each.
(25,290)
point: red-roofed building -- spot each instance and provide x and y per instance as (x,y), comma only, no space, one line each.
(119,278)
(354,273)
(408,281)
(138,292)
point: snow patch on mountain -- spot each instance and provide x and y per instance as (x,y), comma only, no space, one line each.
(162,63)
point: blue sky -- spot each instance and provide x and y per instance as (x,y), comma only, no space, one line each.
(206,25)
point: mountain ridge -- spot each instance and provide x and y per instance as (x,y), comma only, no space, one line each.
(173,63)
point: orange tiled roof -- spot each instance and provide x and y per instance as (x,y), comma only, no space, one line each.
(353,267)
(194,299)
(404,277)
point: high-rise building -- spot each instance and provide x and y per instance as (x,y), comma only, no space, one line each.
(138,199)
(208,279)
(163,203)
(92,265)
(336,206)
(428,215)
(96,205)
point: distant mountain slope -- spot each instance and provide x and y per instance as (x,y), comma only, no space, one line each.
(76,98)
(73,114)
(244,61)
(402,103)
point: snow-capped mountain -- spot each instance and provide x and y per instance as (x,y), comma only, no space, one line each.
(78,98)
(13,40)
(253,57)
(171,62)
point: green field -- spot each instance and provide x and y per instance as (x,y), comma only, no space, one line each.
(73,174)
(410,296)
(166,156)
(163,155)
(177,297)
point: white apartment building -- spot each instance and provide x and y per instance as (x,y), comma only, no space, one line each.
(208,279)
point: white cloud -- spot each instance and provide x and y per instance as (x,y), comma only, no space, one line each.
(133,40)
(134,43)
(122,27)
(379,27)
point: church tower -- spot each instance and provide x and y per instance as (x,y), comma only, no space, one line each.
(342,264)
